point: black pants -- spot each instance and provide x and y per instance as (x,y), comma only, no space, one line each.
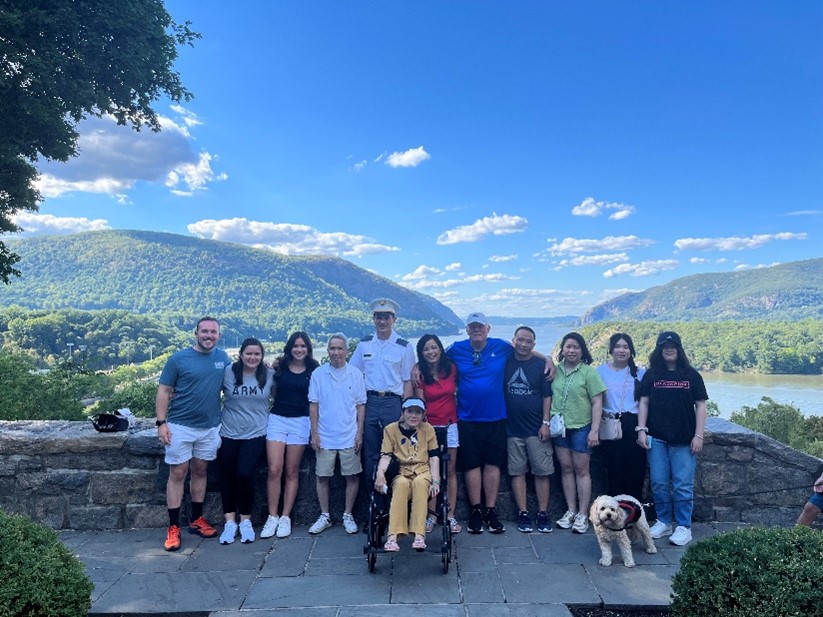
(238,459)
(626,461)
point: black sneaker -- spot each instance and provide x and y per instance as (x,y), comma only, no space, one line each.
(475,524)
(492,522)
(544,525)
(524,522)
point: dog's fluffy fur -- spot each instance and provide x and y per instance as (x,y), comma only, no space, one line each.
(609,522)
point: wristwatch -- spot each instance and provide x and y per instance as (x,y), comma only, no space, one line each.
(641,429)
(159,423)
(547,422)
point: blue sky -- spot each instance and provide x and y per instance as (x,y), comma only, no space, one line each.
(520,158)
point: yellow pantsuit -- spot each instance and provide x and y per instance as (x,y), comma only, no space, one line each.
(414,480)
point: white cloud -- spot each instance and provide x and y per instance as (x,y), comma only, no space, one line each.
(734,243)
(644,268)
(495,225)
(522,303)
(410,158)
(112,159)
(494,277)
(421,272)
(453,266)
(805,213)
(502,258)
(48,224)
(288,238)
(590,207)
(573,246)
(757,267)
(592,260)
(359,165)
(699,260)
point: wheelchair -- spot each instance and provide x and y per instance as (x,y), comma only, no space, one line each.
(378,521)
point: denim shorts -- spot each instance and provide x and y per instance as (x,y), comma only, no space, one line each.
(817,500)
(576,439)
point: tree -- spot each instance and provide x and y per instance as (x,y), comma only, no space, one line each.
(63,60)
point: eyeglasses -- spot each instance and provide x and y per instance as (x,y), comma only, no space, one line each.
(476,358)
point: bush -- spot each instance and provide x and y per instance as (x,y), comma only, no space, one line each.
(748,572)
(39,577)
(139,397)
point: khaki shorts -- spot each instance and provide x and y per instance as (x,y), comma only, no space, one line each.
(188,443)
(349,462)
(525,452)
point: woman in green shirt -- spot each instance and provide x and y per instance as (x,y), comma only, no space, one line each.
(577,395)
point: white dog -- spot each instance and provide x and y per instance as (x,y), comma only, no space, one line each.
(615,518)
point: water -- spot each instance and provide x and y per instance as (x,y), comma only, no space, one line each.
(730,391)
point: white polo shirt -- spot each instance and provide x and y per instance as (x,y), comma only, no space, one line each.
(337,391)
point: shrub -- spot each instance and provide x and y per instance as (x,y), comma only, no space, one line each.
(757,571)
(139,397)
(39,577)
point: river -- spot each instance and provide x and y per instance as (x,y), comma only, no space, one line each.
(730,391)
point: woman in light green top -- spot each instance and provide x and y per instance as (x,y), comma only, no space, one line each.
(577,395)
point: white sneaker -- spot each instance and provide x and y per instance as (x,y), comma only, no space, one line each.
(660,529)
(581,523)
(270,527)
(246,532)
(681,536)
(284,528)
(229,531)
(565,521)
(349,524)
(320,525)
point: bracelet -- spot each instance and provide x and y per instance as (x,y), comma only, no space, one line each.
(639,429)
(436,482)
(700,437)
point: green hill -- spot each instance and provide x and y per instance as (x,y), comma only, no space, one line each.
(787,292)
(254,292)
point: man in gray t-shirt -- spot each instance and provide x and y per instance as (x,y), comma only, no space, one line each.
(188,424)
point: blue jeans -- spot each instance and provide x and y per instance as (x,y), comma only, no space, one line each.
(671,471)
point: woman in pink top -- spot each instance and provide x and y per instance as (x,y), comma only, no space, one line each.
(438,388)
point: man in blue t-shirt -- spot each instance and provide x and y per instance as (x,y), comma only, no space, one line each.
(528,404)
(481,418)
(188,424)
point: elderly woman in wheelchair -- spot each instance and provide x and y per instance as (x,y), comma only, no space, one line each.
(410,454)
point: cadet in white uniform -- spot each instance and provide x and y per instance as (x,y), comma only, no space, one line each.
(386,360)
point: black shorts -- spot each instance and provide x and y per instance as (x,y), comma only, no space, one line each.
(482,443)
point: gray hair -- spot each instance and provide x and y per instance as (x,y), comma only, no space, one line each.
(341,336)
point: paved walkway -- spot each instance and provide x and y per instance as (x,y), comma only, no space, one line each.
(512,574)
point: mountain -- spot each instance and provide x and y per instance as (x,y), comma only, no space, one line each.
(252,291)
(786,292)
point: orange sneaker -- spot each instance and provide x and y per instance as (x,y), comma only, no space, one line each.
(202,528)
(172,538)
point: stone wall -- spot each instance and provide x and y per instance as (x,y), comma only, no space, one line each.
(68,476)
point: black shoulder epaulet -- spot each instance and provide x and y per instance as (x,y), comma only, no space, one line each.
(366,338)
(402,341)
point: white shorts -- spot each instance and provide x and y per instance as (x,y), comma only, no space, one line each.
(188,443)
(290,431)
(452,438)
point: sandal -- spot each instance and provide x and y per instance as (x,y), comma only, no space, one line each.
(419,543)
(454,526)
(391,545)
(430,523)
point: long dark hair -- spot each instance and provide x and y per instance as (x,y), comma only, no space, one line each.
(614,339)
(622,336)
(311,363)
(656,360)
(585,356)
(444,365)
(261,374)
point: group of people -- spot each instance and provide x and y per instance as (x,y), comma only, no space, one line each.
(489,402)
